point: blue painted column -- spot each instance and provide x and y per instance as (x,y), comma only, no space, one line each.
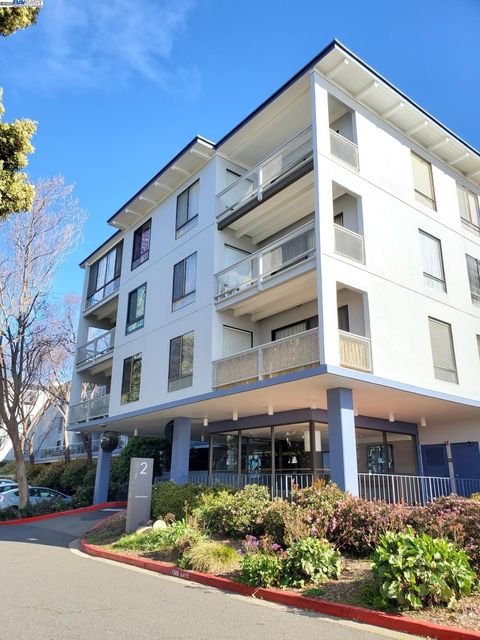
(341,436)
(182,428)
(102,477)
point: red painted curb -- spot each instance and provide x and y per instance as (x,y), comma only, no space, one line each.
(59,514)
(357,614)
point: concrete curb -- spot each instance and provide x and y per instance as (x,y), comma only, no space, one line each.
(60,514)
(288,598)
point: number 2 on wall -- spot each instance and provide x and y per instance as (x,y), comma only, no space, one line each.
(143,468)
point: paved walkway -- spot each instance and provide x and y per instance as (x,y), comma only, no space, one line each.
(49,591)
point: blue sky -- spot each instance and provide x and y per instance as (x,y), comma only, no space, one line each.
(118,87)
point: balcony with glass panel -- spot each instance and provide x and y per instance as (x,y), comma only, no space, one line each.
(103,284)
(96,353)
(87,410)
(277,277)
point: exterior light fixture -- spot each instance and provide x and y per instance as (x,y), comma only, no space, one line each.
(391,417)
(235,416)
(205,422)
(423,422)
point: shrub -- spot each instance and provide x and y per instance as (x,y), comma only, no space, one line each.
(320,501)
(84,493)
(454,518)
(417,570)
(8,469)
(211,557)
(177,499)
(138,447)
(234,514)
(357,525)
(9,513)
(286,522)
(261,569)
(73,476)
(172,541)
(475,496)
(44,507)
(50,475)
(310,561)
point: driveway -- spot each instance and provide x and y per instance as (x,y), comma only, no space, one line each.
(51,591)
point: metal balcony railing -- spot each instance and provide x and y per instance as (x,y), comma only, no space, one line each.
(344,149)
(93,350)
(253,184)
(355,351)
(300,351)
(89,410)
(102,293)
(257,268)
(349,244)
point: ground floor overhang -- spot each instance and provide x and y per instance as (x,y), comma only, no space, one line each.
(374,398)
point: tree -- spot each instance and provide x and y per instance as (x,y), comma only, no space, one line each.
(13,18)
(33,246)
(16,193)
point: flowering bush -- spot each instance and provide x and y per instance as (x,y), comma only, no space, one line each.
(320,502)
(177,499)
(417,570)
(286,521)
(454,518)
(238,514)
(310,561)
(260,569)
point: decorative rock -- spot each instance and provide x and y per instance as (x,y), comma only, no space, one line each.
(160,524)
(143,529)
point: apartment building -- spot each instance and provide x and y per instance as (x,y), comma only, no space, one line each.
(303,295)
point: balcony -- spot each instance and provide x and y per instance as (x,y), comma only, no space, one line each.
(89,410)
(269,176)
(300,351)
(102,293)
(344,149)
(349,244)
(355,352)
(95,350)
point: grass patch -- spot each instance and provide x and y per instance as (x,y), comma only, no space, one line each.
(108,531)
(212,557)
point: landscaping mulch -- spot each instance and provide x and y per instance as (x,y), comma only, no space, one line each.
(349,589)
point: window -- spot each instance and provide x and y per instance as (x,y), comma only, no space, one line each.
(423,181)
(473,268)
(469,208)
(104,275)
(141,244)
(338,219)
(292,329)
(136,308)
(343,318)
(187,208)
(132,371)
(443,353)
(180,370)
(236,340)
(184,282)
(433,273)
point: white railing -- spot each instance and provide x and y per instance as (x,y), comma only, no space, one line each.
(349,244)
(255,270)
(253,184)
(355,351)
(299,351)
(75,449)
(89,410)
(344,149)
(102,293)
(92,351)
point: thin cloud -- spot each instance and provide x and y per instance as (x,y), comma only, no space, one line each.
(81,44)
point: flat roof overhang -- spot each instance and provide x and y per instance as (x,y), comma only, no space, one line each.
(373,397)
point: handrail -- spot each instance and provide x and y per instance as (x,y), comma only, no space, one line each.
(91,355)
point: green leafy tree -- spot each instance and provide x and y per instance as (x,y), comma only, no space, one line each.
(16,192)
(13,18)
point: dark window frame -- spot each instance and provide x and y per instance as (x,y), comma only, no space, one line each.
(343,309)
(473,273)
(177,379)
(93,286)
(137,319)
(309,322)
(184,297)
(142,257)
(180,229)
(131,367)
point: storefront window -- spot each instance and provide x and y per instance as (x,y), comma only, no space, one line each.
(385,452)
(225,452)
(404,452)
(257,451)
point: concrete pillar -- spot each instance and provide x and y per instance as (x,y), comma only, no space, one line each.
(341,436)
(182,428)
(102,477)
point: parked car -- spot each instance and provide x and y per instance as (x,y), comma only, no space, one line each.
(6,481)
(8,487)
(37,494)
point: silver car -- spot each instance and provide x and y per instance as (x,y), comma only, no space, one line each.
(6,481)
(36,494)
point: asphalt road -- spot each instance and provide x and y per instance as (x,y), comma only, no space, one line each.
(51,591)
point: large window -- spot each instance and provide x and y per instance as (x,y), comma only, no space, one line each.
(141,244)
(297,327)
(469,207)
(132,371)
(473,267)
(187,208)
(136,308)
(423,181)
(236,340)
(104,275)
(443,353)
(433,272)
(184,282)
(180,370)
